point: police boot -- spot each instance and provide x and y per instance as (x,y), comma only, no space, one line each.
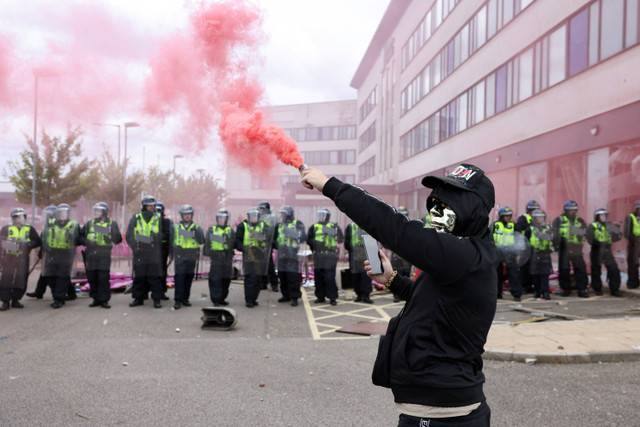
(56,304)
(16,304)
(136,302)
(94,303)
(5,306)
(164,297)
(294,302)
(177,305)
(283,299)
(583,294)
(367,300)
(333,302)
(34,295)
(105,305)
(616,293)
(156,303)
(186,303)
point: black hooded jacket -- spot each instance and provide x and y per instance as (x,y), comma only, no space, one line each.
(436,352)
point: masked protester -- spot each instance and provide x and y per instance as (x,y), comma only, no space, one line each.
(569,231)
(166,227)
(49,218)
(98,236)
(504,238)
(431,354)
(632,234)
(219,247)
(540,237)
(187,239)
(270,220)
(402,266)
(144,237)
(17,240)
(323,238)
(252,240)
(290,234)
(600,235)
(59,252)
(523,225)
(354,244)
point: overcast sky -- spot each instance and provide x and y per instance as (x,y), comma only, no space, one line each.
(311,51)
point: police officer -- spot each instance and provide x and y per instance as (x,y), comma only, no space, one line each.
(218,247)
(540,237)
(187,239)
(399,264)
(253,242)
(323,238)
(144,237)
(354,244)
(18,239)
(99,235)
(166,227)
(632,234)
(49,219)
(600,235)
(505,240)
(290,234)
(59,252)
(568,237)
(269,219)
(523,224)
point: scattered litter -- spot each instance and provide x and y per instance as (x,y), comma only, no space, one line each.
(105,321)
(268,336)
(261,399)
(636,347)
(302,359)
(13,378)
(328,389)
(275,314)
(125,363)
(178,330)
(311,373)
(3,338)
(197,336)
(273,306)
(124,314)
(561,303)
(560,347)
(261,385)
(266,356)
(81,416)
(530,360)
(204,295)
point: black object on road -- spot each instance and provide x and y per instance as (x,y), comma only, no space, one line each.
(218,318)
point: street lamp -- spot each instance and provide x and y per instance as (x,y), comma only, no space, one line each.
(115,126)
(176,156)
(127,125)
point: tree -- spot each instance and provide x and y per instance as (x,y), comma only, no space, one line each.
(62,174)
(108,186)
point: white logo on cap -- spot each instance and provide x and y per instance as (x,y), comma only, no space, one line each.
(463,172)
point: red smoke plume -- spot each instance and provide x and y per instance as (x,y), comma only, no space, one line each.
(208,71)
(4,70)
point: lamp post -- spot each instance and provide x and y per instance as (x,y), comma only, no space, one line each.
(176,156)
(127,125)
(115,126)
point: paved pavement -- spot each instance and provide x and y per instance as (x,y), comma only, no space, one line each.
(66,367)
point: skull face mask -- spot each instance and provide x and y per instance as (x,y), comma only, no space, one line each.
(443,218)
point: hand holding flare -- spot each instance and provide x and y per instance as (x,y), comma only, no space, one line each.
(312,178)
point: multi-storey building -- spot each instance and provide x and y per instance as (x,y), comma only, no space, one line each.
(544,95)
(326,136)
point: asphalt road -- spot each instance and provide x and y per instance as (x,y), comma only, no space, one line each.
(66,367)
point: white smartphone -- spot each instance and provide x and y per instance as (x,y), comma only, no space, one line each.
(373,254)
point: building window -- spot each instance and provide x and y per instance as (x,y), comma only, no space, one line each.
(633,15)
(330,157)
(471,37)
(548,61)
(323,133)
(367,137)
(367,169)
(368,105)
(578,42)
(612,24)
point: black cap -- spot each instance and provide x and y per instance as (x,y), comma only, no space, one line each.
(465,177)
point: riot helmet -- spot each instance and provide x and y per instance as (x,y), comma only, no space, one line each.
(50,212)
(264,208)
(148,203)
(222,218)
(287,214)
(253,216)
(532,205)
(505,214)
(570,208)
(18,217)
(600,215)
(186,213)
(323,215)
(63,211)
(100,210)
(539,217)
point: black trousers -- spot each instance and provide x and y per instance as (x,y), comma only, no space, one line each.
(272,277)
(633,259)
(579,269)
(164,263)
(540,283)
(218,289)
(526,279)
(361,284)
(13,282)
(290,283)
(604,256)
(326,286)
(60,287)
(185,272)
(252,284)
(481,417)
(147,277)
(100,287)
(509,270)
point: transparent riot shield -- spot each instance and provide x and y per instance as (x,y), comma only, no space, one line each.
(519,253)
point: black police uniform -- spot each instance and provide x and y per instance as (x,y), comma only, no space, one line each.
(354,244)
(14,258)
(632,234)
(288,238)
(221,255)
(523,224)
(325,260)
(98,237)
(600,236)
(147,257)
(185,259)
(569,247)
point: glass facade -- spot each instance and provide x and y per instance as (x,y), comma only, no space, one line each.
(368,137)
(329,157)
(367,169)
(322,133)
